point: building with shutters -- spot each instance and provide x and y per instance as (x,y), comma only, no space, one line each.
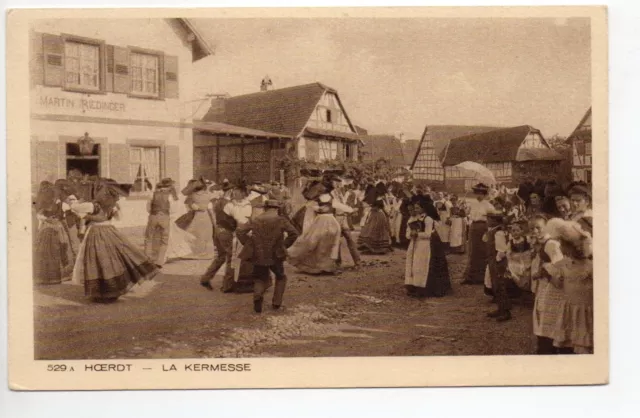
(580,141)
(126,84)
(310,117)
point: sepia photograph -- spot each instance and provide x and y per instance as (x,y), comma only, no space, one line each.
(209,192)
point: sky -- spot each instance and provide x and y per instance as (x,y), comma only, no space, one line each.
(399,75)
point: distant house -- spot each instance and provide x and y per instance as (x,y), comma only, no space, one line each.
(512,154)
(312,115)
(426,164)
(388,147)
(409,150)
(580,141)
(360,131)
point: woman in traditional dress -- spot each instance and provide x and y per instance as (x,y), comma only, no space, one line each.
(199,220)
(108,265)
(547,307)
(580,196)
(426,268)
(375,236)
(444,227)
(574,276)
(477,259)
(317,250)
(458,226)
(54,255)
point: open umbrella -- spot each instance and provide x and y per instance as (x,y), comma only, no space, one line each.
(476,171)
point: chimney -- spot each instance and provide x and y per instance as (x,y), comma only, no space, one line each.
(401,137)
(266,84)
(218,107)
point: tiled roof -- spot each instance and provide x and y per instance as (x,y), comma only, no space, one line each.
(383,146)
(201,48)
(538,154)
(493,146)
(360,130)
(284,111)
(223,128)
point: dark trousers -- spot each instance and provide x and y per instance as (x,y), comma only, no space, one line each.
(546,347)
(351,244)
(477,258)
(158,224)
(223,241)
(497,270)
(261,281)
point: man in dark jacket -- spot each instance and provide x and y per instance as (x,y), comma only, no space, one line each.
(223,241)
(264,245)
(159,208)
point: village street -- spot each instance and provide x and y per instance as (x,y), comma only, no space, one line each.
(358,313)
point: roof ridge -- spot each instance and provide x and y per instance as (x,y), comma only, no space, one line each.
(262,93)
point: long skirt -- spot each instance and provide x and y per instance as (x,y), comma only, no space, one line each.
(457,235)
(427,269)
(317,250)
(547,309)
(180,242)
(477,260)
(108,265)
(54,255)
(403,241)
(375,236)
(201,227)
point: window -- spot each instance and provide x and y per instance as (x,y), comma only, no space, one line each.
(587,148)
(588,176)
(144,167)
(144,74)
(328,150)
(328,115)
(80,163)
(82,65)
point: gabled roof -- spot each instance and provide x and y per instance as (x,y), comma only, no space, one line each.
(495,146)
(200,46)
(285,111)
(583,130)
(409,150)
(383,146)
(440,135)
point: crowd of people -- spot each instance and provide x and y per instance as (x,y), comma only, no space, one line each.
(536,240)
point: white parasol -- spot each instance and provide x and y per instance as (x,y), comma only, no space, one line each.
(476,171)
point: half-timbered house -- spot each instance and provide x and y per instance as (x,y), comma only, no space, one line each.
(312,115)
(580,141)
(426,164)
(512,154)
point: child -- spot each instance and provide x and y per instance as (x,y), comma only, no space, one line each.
(574,275)
(519,255)
(549,300)
(457,232)
(496,239)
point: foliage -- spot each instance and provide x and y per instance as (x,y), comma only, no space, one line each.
(358,170)
(558,143)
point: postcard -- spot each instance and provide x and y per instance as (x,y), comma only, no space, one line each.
(307,198)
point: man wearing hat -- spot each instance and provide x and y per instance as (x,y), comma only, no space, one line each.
(264,246)
(159,208)
(223,242)
(478,211)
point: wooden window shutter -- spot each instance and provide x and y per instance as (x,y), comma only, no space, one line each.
(121,70)
(119,163)
(109,68)
(36,59)
(171,90)
(53,47)
(172,162)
